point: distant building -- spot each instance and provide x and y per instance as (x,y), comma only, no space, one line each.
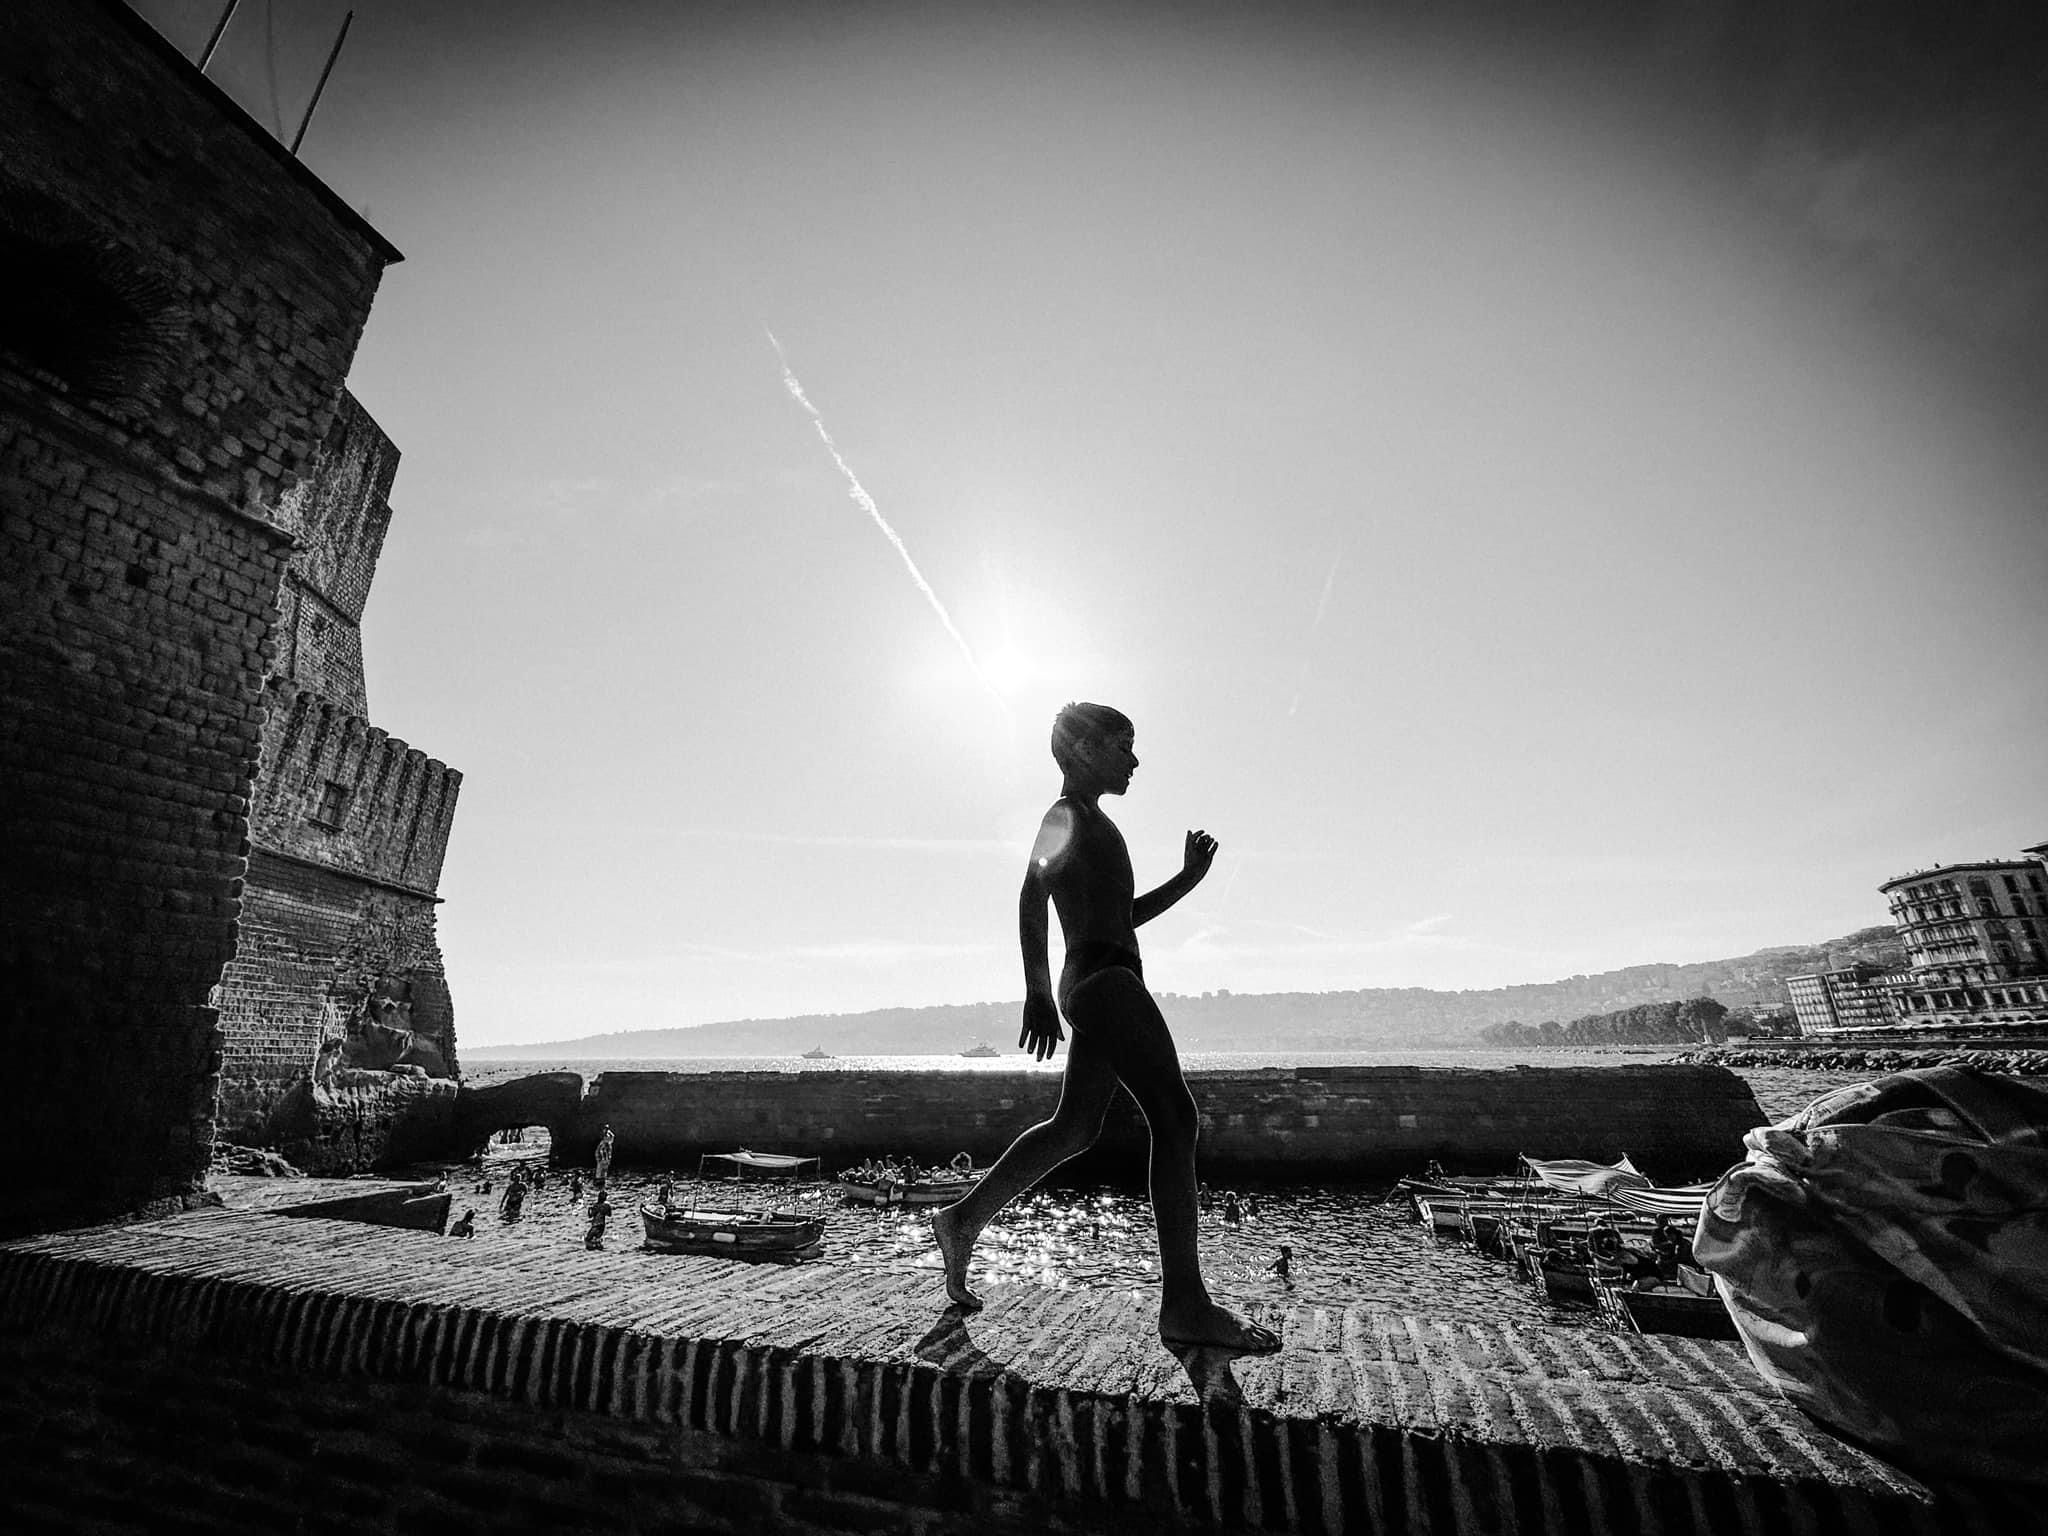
(1853,998)
(1976,938)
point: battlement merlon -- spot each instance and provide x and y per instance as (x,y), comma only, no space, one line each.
(338,791)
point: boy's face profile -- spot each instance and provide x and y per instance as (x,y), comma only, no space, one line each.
(1110,760)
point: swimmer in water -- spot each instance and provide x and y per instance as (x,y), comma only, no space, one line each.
(1081,865)
(1281,1265)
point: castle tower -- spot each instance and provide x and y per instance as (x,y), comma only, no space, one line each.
(335,1012)
(183,300)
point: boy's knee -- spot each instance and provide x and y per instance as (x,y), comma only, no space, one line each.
(1078,1133)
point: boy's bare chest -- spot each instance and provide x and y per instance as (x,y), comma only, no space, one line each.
(1098,852)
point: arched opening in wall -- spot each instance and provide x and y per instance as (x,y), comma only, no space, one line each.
(515,1146)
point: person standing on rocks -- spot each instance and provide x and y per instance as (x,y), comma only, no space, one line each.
(604,1157)
(1080,864)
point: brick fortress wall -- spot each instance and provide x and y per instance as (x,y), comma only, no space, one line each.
(337,990)
(179,303)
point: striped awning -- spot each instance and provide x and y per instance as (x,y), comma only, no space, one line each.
(1683,1202)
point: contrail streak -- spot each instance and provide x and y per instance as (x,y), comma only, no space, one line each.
(1230,884)
(1323,602)
(866,503)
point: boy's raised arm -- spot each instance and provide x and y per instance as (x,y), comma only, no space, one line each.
(1198,854)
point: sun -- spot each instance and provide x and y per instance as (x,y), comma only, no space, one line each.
(1007,668)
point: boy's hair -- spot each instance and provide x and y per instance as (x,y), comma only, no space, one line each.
(1077,723)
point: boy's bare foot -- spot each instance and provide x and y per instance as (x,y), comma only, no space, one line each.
(1208,1324)
(955,1249)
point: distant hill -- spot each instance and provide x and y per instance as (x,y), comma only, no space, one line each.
(1368,1019)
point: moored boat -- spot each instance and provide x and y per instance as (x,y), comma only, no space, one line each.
(739,1234)
(917,1192)
(982,1049)
(1689,1308)
(893,1186)
(818,1053)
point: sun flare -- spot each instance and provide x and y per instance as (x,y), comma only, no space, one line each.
(1007,668)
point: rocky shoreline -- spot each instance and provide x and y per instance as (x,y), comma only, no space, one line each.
(2013,1063)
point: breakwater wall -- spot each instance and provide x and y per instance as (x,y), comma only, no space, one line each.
(1678,1123)
(1826,1057)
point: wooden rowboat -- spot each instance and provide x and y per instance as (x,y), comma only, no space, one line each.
(783,1235)
(1688,1309)
(889,1192)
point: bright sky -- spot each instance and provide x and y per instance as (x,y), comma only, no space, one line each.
(1522,547)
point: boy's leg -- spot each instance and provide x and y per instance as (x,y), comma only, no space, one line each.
(1085,1092)
(1114,1007)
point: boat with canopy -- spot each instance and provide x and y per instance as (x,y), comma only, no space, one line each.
(746,1164)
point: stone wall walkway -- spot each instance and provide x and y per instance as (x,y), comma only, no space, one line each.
(1368,1420)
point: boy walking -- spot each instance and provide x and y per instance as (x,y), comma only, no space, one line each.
(1081,865)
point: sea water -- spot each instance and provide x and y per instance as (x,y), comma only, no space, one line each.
(1350,1245)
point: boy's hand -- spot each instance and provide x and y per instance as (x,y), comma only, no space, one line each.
(1199,855)
(1041,1032)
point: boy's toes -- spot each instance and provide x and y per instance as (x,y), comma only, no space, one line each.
(1260,1340)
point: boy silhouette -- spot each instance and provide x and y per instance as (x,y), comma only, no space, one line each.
(1081,865)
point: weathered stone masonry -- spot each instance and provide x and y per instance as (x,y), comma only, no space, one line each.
(336,995)
(1678,1123)
(179,303)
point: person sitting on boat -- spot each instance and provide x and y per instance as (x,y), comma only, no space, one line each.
(666,1195)
(963,1163)
(1669,1244)
(1081,866)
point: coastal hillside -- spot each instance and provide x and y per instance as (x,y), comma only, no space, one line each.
(1370,1018)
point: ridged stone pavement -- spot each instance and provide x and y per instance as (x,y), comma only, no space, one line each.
(1368,1420)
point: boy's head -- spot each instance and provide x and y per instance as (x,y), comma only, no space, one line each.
(1090,723)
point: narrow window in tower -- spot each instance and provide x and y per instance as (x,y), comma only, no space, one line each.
(333,802)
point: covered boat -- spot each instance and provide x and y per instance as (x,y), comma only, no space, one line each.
(744,1164)
(739,1234)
